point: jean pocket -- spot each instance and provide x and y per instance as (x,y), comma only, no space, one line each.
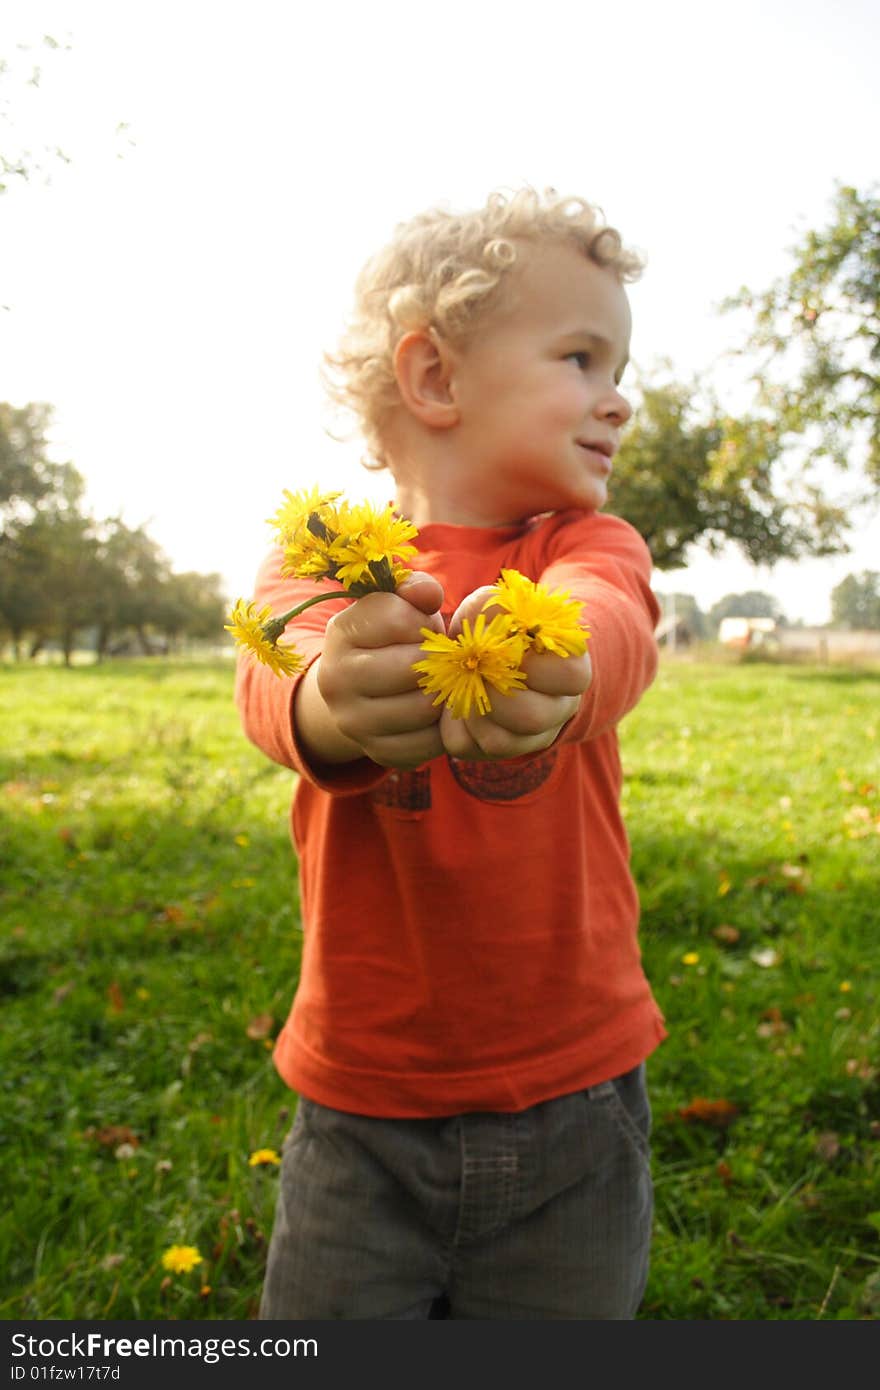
(625,1099)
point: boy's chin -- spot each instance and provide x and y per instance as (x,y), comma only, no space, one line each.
(590,499)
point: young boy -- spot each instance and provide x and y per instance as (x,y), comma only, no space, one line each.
(471,1023)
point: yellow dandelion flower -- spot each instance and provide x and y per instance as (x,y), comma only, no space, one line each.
(549,619)
(372,544)
(691,958)
(308,557)
(255,631)
(263,1156)
(845,986)
(305,525)
(457,669)
(180,1259)
(294,514)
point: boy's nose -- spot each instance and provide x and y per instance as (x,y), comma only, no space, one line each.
(615,406)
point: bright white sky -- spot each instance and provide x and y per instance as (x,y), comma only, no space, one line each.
(170,292)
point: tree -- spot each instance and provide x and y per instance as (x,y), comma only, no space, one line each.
(133,573)
(686,610)
(682,480)
(46,543)
(817,336)
(753,604)
(855,601)
(49,579)
(18,162)
(191,605)
(28,477)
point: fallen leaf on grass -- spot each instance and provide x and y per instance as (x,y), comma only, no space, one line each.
(61,993)
(718,1113)
(260,1026)
(809,1198)
(862,1068)
(827,1146)
(765,956)
(114,995)
(192,1047)
(172,913)
(111,1136)
(726,934)
(793,871)
(772,1024)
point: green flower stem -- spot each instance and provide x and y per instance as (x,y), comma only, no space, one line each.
(275,626)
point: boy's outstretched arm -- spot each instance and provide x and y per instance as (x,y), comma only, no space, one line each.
(526,721)
(361,697)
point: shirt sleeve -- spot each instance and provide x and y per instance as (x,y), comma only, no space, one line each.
(265,700)
(604,563)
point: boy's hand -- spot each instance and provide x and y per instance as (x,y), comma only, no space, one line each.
(361,697)
(526,721)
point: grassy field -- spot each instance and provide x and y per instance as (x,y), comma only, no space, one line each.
(150,938)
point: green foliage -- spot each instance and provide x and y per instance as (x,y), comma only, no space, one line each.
(28,477)
(753,801)
(816,336)
(21,74)
(683,480)
(752,604)
(855,601)
(149,946)
(686,610)
(63,573)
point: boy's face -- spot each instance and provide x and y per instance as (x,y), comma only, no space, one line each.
(537,390)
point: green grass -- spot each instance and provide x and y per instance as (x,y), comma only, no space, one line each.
(150,932)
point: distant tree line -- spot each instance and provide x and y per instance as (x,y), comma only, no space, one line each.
(70,579)
(855,605)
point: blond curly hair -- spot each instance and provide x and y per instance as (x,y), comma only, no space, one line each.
(444,270)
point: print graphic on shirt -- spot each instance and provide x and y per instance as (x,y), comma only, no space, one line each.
(405,791)
(411,791)
(505,781)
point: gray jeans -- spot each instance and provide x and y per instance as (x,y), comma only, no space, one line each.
(545,1213)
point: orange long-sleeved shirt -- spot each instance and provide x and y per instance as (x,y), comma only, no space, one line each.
(470,928)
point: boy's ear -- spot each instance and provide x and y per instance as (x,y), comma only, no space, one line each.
(423,370)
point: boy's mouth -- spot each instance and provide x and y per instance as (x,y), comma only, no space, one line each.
(602,451)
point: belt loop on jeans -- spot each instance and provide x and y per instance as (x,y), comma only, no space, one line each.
(602,1088)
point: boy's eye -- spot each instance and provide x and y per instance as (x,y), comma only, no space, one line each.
(581,359)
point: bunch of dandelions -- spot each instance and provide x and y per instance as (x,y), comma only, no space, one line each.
(360,546)
(457,670)
(363,548)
